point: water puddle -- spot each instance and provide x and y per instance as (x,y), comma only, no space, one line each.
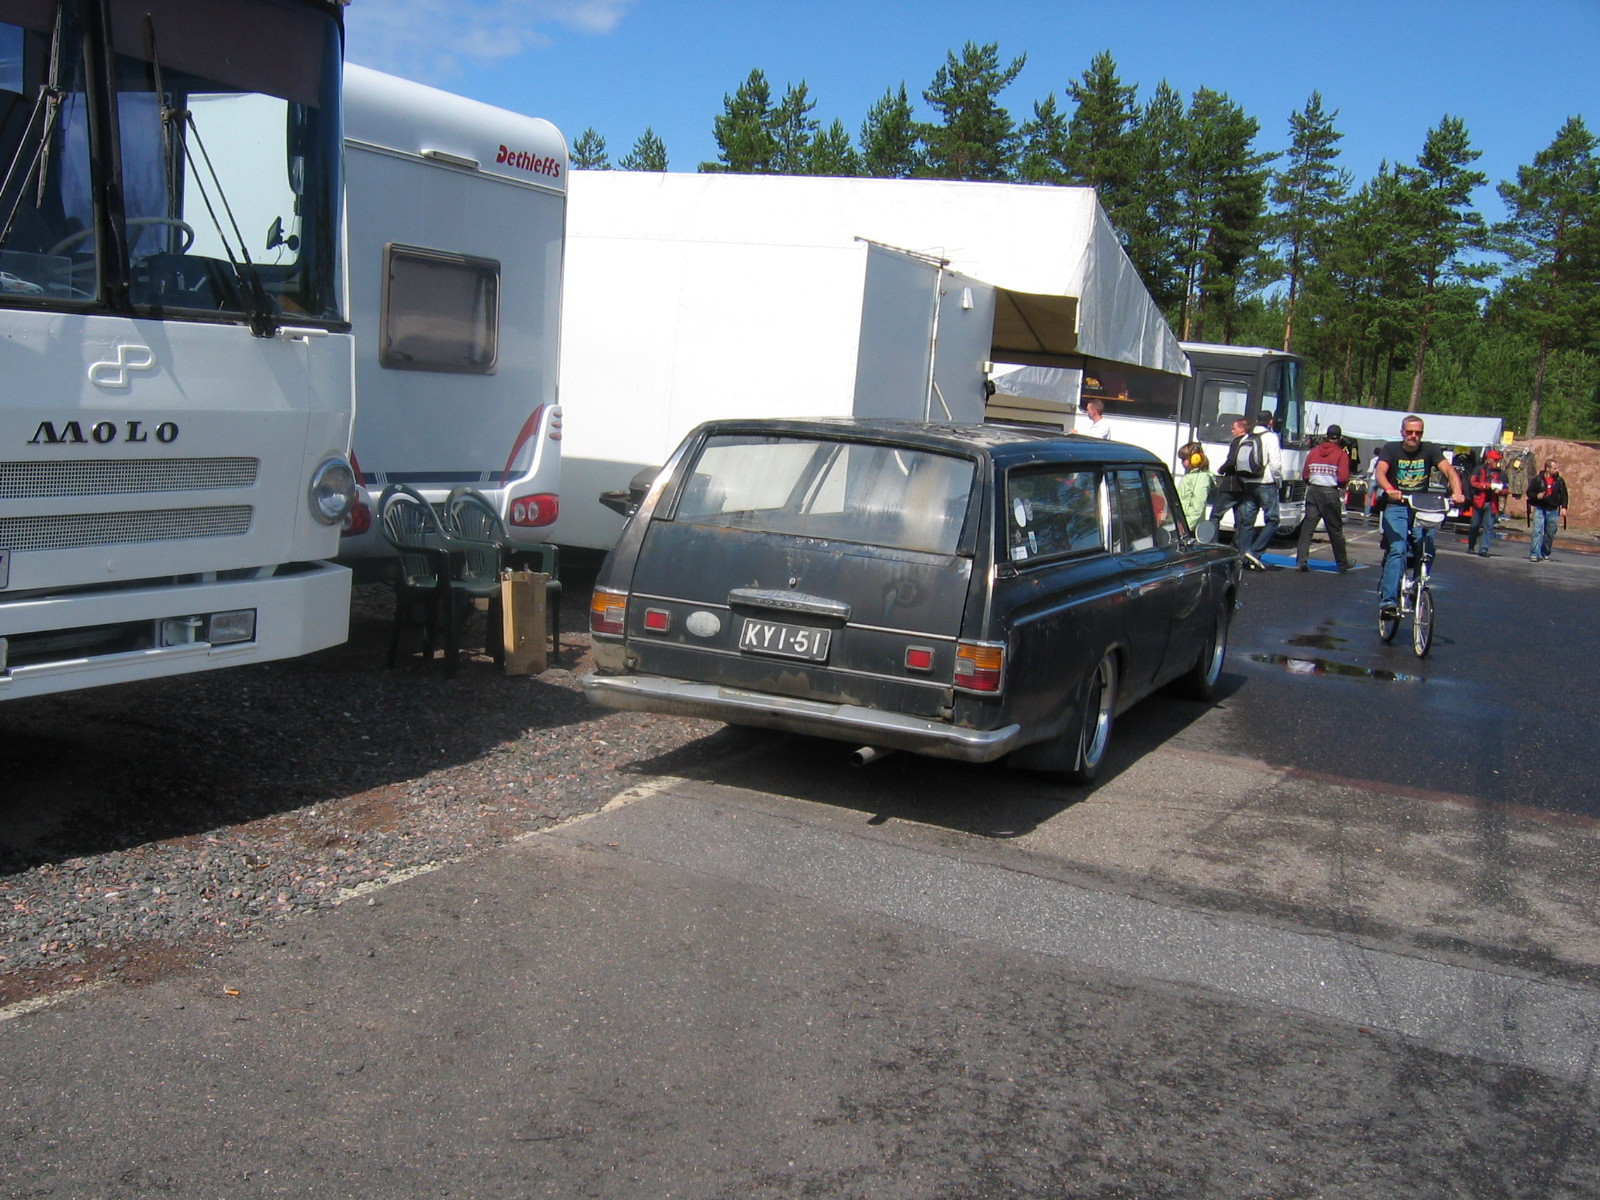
(1322,666)
(1319,641)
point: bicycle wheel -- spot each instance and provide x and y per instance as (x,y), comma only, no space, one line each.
(1422,623)
(1388,626)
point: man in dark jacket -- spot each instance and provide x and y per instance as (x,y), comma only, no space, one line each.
(1547,500)
(1326,472)
(1487,485)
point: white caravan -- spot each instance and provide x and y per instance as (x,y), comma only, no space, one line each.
(175,366)
(457,225)
(693,296)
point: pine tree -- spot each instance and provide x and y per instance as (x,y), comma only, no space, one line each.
(793,131)
(832,153)
(1440,227)
(976,138)
(589,152)
(1044,144)
(1306,194)
(1551,239)
(889,146)
(1149,216)
(1222,195)
(1101,150)
(744,130)
(648,153)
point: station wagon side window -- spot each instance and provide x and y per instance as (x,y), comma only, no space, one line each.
(1052,512)
(1166,506)
(441,311)
(1135,520)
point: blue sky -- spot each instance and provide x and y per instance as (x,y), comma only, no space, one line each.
(1512,72)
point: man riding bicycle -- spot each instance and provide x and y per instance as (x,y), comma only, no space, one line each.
(1403,469)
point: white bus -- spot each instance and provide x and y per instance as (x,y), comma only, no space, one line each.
(457,242)
(175,363)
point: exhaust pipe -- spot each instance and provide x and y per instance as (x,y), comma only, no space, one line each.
(863,755)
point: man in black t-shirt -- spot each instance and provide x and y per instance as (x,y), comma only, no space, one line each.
(1403,467)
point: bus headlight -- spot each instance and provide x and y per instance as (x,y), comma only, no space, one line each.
(333,491)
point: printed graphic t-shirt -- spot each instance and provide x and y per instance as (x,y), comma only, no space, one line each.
(1408,471)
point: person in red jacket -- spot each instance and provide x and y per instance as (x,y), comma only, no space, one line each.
(1326,472)
(1487,484)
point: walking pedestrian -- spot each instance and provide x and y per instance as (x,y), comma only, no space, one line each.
(1242,470)
(1488,487)
(1326,472)
(1547,500)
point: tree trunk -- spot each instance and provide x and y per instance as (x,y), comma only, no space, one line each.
(1422,351)
(1538,388)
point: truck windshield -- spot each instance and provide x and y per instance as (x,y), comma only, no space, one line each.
(839,491)
(226,168)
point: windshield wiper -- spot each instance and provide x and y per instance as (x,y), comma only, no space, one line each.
(258,305)
(46,110)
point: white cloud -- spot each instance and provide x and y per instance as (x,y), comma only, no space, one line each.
(434,40)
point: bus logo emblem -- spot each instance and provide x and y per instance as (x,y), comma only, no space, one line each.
(115,373)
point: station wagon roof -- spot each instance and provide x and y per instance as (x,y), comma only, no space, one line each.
(1005,444)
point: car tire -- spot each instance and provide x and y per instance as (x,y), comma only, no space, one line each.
(1094,725)
(1200,681)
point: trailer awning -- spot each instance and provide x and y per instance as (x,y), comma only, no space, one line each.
(1035,330)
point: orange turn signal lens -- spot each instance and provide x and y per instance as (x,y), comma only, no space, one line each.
(608,612)
(980,666)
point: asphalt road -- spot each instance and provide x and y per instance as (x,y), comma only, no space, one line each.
(1332,937)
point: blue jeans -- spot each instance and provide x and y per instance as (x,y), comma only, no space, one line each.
(1481,532)
(1397,527)
(1545,523)
(1256,497)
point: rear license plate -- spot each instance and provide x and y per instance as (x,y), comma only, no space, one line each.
(786,641)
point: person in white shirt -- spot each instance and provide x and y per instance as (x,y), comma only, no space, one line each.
(1271,476)
(1098,426)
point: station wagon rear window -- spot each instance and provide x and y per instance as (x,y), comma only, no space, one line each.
(844,491)
(1053,512)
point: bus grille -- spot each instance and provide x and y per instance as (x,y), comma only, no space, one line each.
(124,476)
(69,532)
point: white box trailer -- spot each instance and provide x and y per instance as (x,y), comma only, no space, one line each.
(690,297)
(457,215)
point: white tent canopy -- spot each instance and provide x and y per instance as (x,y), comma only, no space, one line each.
(1066,289)
(1383,424)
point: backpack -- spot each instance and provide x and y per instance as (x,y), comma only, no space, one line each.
(1248,456)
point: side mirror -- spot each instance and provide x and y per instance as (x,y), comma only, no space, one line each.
(626,503)
(1205,531)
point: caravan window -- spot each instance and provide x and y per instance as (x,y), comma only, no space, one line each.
(441,312)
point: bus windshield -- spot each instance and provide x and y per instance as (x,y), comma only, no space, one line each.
(226,162)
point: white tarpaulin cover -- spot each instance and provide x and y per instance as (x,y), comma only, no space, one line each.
(1039,244)
(1383,424)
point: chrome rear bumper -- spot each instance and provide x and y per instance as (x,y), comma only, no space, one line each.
(842,722)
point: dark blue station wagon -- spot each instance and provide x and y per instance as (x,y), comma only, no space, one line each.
(968,592)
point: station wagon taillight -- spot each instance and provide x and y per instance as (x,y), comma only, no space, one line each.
(979,666)
(608,611)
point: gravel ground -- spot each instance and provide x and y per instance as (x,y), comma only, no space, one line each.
(144,825)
